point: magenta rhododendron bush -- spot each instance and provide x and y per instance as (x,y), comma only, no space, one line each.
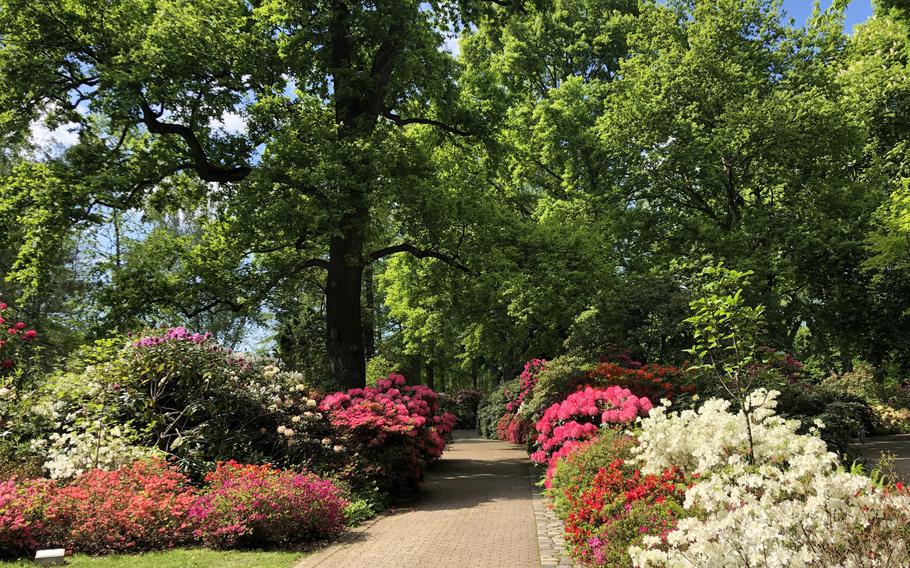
(255,505)
(527,381)
(22,525)
(567,424)
(397,427)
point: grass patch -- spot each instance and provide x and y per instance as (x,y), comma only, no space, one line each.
(182,558)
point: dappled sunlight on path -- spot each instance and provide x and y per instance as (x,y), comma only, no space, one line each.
(474,511)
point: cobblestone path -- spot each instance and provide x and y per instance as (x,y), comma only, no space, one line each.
(474,511)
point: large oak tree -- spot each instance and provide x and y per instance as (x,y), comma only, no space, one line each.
(297,133)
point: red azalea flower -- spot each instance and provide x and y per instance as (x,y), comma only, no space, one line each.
(20,325)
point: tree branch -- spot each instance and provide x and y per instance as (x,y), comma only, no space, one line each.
(201,164)
(406,121)
(419,253)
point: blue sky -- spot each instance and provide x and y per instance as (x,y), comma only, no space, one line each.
(858,11)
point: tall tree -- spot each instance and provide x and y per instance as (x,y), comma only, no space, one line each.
(287,124)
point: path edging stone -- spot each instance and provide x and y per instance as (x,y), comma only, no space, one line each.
(551,540)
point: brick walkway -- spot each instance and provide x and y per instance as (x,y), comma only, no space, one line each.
(474,511)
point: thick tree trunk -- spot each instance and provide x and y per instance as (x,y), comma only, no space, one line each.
(343,311)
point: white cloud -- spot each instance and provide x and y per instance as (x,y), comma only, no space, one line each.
(230,123)
(53,142)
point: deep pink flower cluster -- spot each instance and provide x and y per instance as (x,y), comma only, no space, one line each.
(392,415)
(22,522)
(528,380)
(566,424)
(14,338)
(257,505)
(173,334)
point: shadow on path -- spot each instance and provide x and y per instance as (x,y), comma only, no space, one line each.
(474,511)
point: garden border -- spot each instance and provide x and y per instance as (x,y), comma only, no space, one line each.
(551,542)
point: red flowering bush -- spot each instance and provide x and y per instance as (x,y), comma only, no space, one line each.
(566,424)
(619,508)
(652,381)
(513,429)
(574,473)
(395,426)
(12,340)
(143,506)
(257,505)
(22,526)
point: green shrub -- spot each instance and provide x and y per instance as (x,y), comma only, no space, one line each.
(170,393)
(493,407)
(379,367)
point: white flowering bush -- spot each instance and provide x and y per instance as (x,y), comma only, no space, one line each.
(79,450)
(712,437)
(792,507)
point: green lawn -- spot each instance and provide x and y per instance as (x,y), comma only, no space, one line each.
(183,558)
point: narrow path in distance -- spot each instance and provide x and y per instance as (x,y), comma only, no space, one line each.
(898,445)
(474,511)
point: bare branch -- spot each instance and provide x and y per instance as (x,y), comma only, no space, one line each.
(406,121)
(419,253)
(201,164)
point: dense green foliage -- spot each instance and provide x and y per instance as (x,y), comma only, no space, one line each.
(344,182)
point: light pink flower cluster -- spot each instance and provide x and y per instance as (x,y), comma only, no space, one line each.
(567,424)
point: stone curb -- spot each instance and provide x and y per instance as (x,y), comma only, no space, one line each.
(550,530)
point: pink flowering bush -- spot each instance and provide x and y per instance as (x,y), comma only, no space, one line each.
(22,525)
(527,381)
(12,340)
(257,505)
(513,429)
(565,425)
(142,506)
(398,428)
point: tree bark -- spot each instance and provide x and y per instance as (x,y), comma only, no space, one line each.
(344,324)
(430,377)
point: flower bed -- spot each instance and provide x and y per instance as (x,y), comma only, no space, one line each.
(148,505)
(257,505)
(682,491)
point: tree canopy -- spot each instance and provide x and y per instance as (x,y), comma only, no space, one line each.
(456,186)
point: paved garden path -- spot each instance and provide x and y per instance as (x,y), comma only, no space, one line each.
(899,445)
(474,511)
